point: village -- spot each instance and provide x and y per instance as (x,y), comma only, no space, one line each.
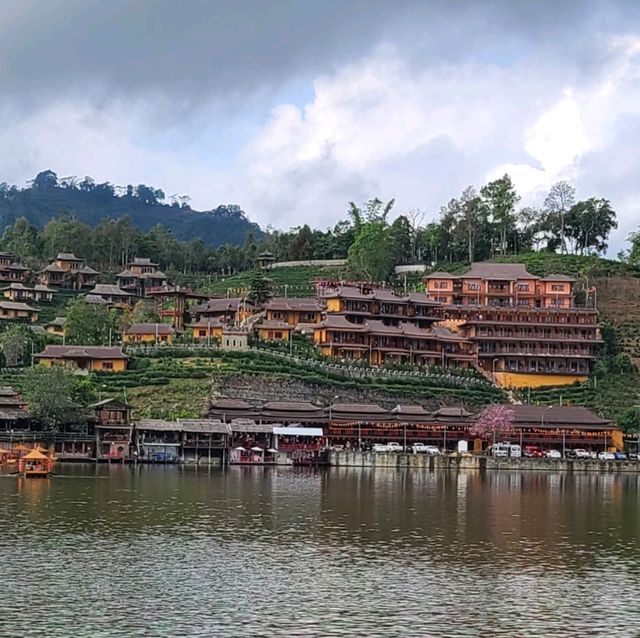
(495,324)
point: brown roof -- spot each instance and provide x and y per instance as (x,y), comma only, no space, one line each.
(340,322)
(204,322)
(109,289)
(82,352)
(451,412)
(275,324)
(204,426)
(441,274)
(300,304)
(410,410)
(220,304)
(231,404)
(297,406)
(16,305)
(363,408)
(558,277)
(67,257)
(150,328)
(491,270)
(557,416)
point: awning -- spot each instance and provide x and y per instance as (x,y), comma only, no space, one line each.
(284,431)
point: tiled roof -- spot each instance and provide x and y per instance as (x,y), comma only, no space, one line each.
(556,415)
(16,305)
(440,274)
(274,324)
(293,304)
(95,299)
(82,352)
(109,289)
(558,277)
(150,328)
(364,408)
(204,322)
(67,257)
(297,406)
(87,270)
(491,270)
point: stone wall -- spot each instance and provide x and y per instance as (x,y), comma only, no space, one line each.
(427,462)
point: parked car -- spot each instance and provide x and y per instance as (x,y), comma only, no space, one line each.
(423,448)
(578,453)
(606,456)
(553,454)
(380,447)
(532,451)
(634,456)
(394,447)
(620,456)
(505,449)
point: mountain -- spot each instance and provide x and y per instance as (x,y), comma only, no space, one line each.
(46,197)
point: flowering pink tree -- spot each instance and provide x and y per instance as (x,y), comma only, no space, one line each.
(494,421)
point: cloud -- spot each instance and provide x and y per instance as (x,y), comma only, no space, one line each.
(293,109)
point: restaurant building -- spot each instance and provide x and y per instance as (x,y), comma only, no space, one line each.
(111,420)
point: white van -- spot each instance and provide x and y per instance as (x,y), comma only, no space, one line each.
(506,450)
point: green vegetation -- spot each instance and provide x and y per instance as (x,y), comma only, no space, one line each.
(47,196)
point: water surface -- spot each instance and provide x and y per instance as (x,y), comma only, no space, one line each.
(167,551)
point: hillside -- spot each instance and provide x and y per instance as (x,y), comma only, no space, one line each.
(44,199)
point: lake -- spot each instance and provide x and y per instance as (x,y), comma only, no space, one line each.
(166,551)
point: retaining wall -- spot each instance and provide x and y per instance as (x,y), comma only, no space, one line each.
(426,462)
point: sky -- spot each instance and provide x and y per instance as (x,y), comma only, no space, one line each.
(291,109)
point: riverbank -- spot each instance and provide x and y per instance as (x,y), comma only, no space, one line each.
(343,458)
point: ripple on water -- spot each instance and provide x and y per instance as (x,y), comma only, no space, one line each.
(164,551)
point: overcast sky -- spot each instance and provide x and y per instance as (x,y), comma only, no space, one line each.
(292,108)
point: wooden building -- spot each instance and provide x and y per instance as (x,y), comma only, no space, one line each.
(230,310)
(10,270)
(140,276)
(294,311)
(68,271)
(18,311)
(378,343)
(85,358)
(149,333)
(274,330)
(113,429)
(111,295)
(207,329)
(19,292)
(56,326)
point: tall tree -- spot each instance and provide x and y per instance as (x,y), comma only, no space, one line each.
(500,199)
(589,224)
(89,324)
(557,204)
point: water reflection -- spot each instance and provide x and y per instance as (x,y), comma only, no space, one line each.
(157,551)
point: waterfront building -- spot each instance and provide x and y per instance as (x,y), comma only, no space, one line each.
(526,329)
(110,295)
(20,292)
(18,311)
(149,333)
(363,424)
(13,410)
(68,271)
(141,275)
(85,358)
(378,343)
(10,270)
(113,429)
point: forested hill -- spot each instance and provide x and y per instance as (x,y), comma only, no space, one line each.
(47,196)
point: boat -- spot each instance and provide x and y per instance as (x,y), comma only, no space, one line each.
(35,464)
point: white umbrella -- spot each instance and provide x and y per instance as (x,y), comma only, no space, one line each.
(240,449)
(272,451)
(257,449)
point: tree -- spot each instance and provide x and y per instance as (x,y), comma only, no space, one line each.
(371,254)
(499,199)
(260,290)
(493,422)
(46,180)
(557,204)
(15,343)
(589,224)
(630,420)
(88,324)
(56,397)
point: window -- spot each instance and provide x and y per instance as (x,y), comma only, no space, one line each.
(473,287)
(107,365)
(523,287)
(557,288)
(278,335)
(441,284)
(202,333)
